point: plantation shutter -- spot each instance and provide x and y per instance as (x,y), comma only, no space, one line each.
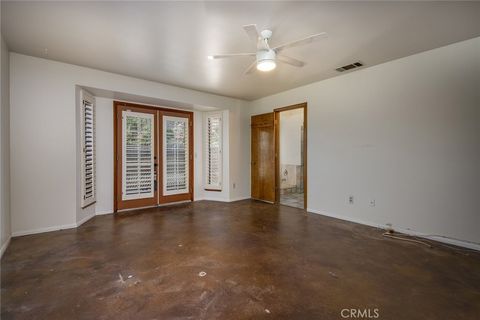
(175,155)
(137,155)
(213,151)
(88,149)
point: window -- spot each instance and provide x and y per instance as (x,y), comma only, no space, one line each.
(87,145)
(137,155)
(213,151)
(175,155)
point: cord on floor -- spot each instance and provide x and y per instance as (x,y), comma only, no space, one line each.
(390,234)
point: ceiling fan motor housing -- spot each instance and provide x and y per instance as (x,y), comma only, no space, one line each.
(263,55)
(266,34)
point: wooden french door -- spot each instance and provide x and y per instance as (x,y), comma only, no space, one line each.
(153,156)
(177,157)
(136,170)
(263,157)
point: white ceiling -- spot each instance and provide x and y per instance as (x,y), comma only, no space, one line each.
(169,41)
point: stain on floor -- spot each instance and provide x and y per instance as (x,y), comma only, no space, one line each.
(260,261)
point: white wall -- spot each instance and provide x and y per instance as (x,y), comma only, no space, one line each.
(104,164)
(239,162)
(5,229)
(291,122)
(44,132)
(405,133)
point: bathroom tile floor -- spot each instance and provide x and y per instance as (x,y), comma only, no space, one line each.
(292,200)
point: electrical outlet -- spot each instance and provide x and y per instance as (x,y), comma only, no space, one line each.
(350,199)
(372,203)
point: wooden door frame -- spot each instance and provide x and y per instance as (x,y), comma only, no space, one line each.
(117,106)
(277,150)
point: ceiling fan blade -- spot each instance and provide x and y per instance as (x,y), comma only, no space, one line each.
(290,61)
(301,42)
(251,68)
(252,31)
(231,55)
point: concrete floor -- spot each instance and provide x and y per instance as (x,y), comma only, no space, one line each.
(261,262)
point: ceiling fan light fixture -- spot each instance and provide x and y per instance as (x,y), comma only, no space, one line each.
(266,65)
(266,60)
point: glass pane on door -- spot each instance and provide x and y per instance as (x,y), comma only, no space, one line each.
(137,155)
(175,155)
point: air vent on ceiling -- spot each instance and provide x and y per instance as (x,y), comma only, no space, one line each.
(354,65)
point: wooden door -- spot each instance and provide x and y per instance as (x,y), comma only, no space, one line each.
(136,155)
(263,157)
(176,143)
(153,161)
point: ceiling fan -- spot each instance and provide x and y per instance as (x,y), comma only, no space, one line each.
(266,57)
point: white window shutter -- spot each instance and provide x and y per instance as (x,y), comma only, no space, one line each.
(213,151)
(138,176)
(88,154)
(175,155)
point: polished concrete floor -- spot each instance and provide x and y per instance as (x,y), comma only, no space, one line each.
(260,261)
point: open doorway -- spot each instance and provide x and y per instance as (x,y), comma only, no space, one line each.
(291,155)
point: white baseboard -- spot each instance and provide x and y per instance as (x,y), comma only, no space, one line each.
(211,199)
(52,228)
(336,216)
(85,219)
(443,239)
(447,240)
(41,230)
(222,199)
(239,198)
(100,213)
(4,247)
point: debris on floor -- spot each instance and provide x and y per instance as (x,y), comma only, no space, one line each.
(267,311)
(231,282)
(333,274)
(202,274)
(203,295)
